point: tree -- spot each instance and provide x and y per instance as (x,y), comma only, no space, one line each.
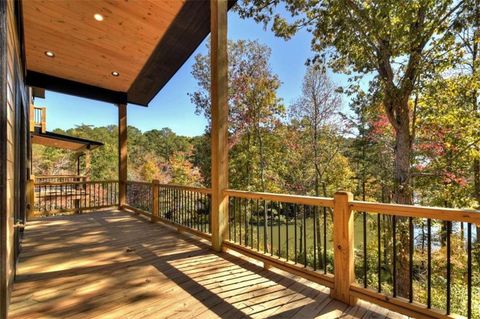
(165,143)
(397,41)
(315,112)
(371,151)
(469,35)
(254,110)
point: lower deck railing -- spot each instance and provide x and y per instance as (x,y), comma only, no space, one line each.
(49,198)
(420,261)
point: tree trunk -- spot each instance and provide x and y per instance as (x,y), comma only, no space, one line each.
(403,150)
(400,119)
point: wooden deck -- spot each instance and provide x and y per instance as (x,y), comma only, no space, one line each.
(116,265)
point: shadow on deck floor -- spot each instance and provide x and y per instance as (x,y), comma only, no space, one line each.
(117,265)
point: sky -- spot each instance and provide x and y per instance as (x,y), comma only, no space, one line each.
(172,107)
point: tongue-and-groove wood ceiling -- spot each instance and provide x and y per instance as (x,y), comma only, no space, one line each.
(145,41)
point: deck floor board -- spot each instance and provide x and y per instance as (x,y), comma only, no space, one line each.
(117,265)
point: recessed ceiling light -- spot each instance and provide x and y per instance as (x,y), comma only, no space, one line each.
(115,73)
(98,17)
(50,54)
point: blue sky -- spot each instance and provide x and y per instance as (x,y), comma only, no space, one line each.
(172,107)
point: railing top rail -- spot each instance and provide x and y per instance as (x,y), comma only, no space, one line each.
(74,183)
(57,176)
(446,214)
(187,188)
(294,199)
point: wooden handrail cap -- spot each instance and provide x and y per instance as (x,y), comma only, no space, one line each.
(344,193)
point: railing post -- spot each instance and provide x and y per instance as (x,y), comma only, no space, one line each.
(155,208)
(343,233)
(30,198)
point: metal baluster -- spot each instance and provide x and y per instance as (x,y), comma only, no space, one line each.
(56,197)
(315,237)
(265,227)
(192,212)
(209,213)
(394,237)
(251,225)
(234,219)
(246,222)
(305,235)
(240,219)
(287,251)
(379,243)
(271,228)
(449,266)
(429,263)
(469,271)
(279,236)
(325,240)
(295,233)
(258,229)
(230,213)
(410,258)
(365,261)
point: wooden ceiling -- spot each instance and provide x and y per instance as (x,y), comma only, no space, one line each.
(146,41)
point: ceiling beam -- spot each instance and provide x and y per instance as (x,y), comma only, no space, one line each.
(60,85)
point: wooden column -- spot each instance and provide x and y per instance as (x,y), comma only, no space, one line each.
(219,134)
(44,120)
(88,161)
(343,234)
(122,154)
(30,197)
(32,118)
(155,208)
(78,163)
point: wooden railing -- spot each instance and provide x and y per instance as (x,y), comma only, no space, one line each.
(140,197)
(415,240)
(187,208)
(333,241)
(294,233)
(38,118)
(345,226)
(386,254)
(59,178)
(47,198)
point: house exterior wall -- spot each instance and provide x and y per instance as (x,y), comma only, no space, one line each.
(12,93)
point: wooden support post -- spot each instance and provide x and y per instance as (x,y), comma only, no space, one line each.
(32,117)
(343,233)
(155,208)
(219,134)
(122,154)
(78,163)
(88,161)
(30,198)
(44,120)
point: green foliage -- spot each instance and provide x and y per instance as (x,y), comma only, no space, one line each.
(448,134)
(156,154)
